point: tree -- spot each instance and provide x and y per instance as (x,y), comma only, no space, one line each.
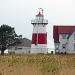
(7,37)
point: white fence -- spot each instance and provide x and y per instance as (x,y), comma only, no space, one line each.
(27,50)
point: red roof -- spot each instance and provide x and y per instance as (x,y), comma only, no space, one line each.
(39,14)
(61,29)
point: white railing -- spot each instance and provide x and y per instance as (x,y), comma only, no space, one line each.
(39,21)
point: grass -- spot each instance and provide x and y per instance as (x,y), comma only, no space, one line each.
(37,64)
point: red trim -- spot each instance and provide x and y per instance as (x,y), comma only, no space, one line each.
(42,38)
(39,14)
(34,38)
(55,34)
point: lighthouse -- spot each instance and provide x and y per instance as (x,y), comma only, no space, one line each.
(39,35)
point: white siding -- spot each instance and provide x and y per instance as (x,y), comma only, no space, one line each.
(39,48)
(39,28)
(63,42)
(69,43)
(20,50)
(56,47)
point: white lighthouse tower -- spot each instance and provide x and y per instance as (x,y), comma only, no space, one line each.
(39,35)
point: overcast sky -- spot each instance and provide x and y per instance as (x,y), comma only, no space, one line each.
(18,13)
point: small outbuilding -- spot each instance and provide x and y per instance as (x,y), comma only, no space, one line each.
(21,48)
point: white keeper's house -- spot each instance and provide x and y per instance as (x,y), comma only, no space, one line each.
(64,39)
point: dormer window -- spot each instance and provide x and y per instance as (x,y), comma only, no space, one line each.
(74,36)
(63,46)
(63,36)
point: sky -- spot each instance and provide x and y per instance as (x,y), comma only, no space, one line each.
(19,13)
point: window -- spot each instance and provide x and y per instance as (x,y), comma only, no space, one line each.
(63,46)
(63,36)
(74,36)
(18,48)
(74,46)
